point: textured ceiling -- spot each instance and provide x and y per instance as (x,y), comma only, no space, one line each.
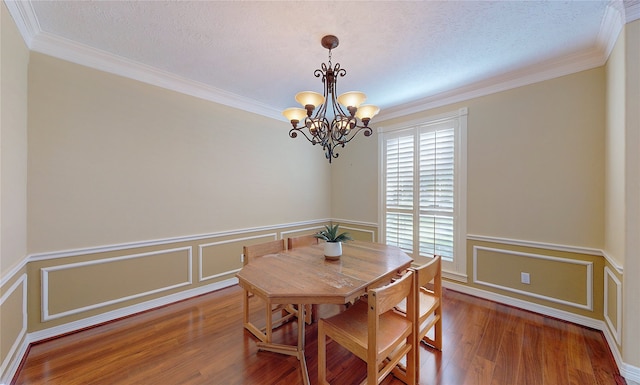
(263,52)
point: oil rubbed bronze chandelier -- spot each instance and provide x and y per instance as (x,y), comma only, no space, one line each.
(339,127)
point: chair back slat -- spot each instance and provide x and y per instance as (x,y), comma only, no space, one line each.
(254,251)
(387,297)
(427,272)
(301,241)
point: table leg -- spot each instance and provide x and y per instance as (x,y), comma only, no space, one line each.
(297,351)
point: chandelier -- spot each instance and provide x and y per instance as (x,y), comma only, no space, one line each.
(338,127)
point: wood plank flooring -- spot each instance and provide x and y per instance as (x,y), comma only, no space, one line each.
(201,341)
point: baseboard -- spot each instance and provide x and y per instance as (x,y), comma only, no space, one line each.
(630,373)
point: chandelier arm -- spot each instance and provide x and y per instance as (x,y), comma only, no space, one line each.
(293,133)
(366,131)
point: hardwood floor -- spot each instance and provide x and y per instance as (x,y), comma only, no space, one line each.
(201,341)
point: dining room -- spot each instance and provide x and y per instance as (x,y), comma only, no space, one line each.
(128,192)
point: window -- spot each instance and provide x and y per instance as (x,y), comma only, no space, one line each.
(423,189)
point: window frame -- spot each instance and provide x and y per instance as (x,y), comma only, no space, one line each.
(457,269)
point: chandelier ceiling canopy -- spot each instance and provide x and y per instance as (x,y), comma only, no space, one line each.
(328,119)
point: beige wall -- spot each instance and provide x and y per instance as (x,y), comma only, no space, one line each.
(615,154)
(113,160)
(535,163)
(631,283)
(535,176)
(88,286)
(13,193)
(354,181)
(13,141)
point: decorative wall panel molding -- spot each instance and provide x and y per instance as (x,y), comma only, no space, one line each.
(586,265)
(19,287)
(235,257)
(166,241)
(48,274)
(614,326)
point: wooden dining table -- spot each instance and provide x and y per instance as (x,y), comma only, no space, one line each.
(303,276)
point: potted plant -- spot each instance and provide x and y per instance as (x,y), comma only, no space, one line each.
(334,239)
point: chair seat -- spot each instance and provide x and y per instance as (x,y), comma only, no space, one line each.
(354,323)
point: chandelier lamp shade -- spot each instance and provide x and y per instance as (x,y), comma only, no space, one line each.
(327,119)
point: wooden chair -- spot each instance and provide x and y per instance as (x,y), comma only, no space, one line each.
(301,241)
(428,283)
(283,313)
(373,331)
(311,311)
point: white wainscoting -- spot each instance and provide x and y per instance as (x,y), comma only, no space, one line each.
(46,271)
(616,327)
(201,248)
(588,305)
(8,367)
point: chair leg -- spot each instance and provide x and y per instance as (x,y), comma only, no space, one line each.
(438,331)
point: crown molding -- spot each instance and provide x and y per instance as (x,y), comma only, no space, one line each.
(551,69)
(81,54)
(25,19)
(631,10)
(612,23)
(39,41)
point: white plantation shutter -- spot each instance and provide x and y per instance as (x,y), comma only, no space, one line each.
(420,196)
(436,184)
(399,191)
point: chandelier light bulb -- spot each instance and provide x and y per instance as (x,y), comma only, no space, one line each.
(307,98)
(367,111)
(352,99)
(295,114)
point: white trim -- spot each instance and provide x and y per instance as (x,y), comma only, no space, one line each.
(589,278)
(610,27)
(13,272)
(370,232)
(25,18)
(39,41)
(202,246)
(617,328)
(552,69)
(430,119)
(355,223)
(7,363)
(451,275)
(47,316)
(538,245)
(630,372)
(458,267)
(283,234)
(619,269)
(158,242)
(461,192)
(631,13)
(548,246)
(78,53)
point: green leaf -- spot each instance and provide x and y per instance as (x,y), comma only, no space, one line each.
(330,234)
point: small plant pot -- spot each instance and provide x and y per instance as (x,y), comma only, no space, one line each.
(332,250)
